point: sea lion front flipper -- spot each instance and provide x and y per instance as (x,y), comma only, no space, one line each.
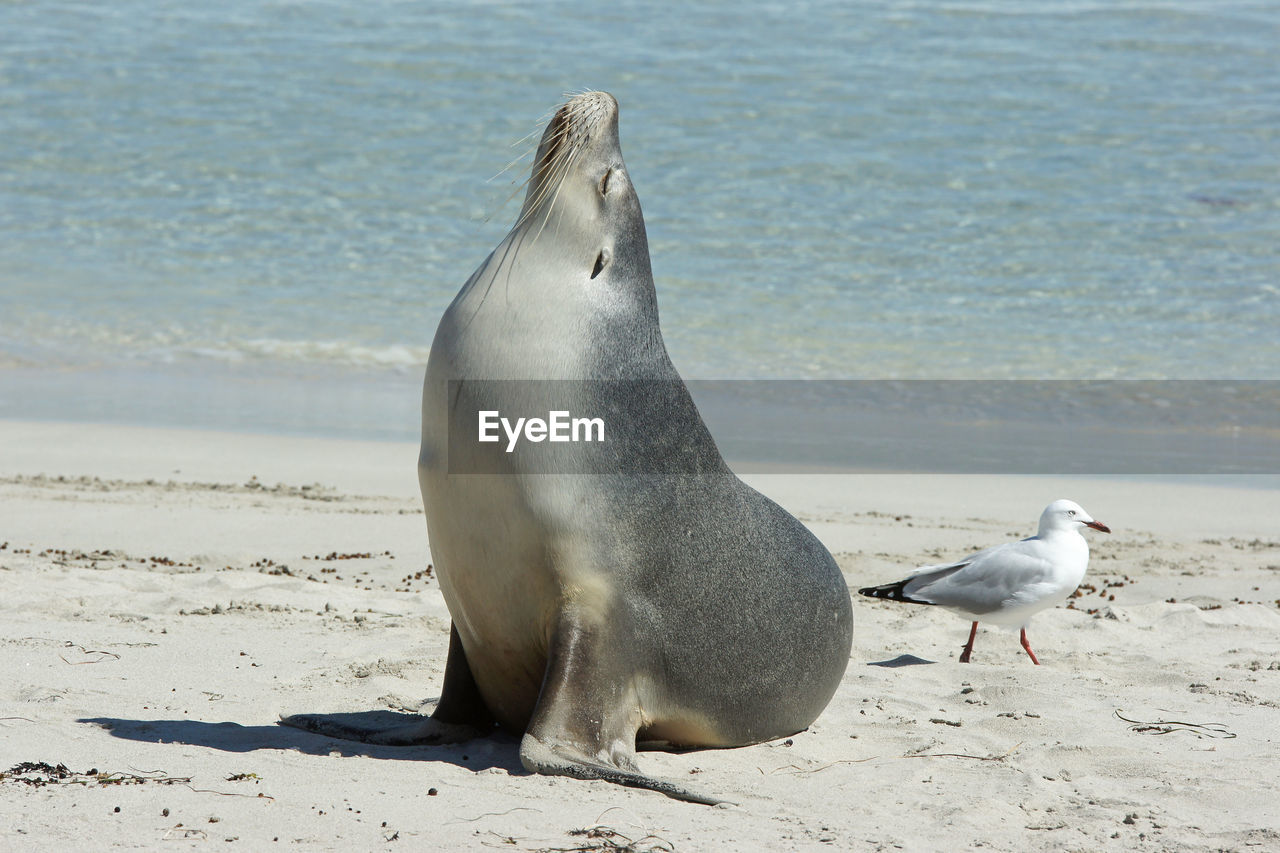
(554,759)
(460,715)
(587,716)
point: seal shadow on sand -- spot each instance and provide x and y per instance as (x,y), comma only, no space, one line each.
(900,660)
(497,749)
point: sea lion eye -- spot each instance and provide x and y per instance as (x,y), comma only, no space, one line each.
(604,182)
(602,261)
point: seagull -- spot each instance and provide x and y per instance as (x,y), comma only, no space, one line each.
(1006,584)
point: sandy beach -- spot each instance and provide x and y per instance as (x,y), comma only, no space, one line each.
(922,267)
(166,594)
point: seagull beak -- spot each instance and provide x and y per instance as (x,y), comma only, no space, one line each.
(1098,525)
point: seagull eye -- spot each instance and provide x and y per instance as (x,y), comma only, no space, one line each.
(1071,512)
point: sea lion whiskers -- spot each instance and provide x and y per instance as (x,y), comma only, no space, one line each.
(548,175)
(551,175)
(577,121)
(568,133)
(552,167)
(523,185)
(511,250)
(525,152)
(519,187)
(552,183)
(559,184)
(546,171)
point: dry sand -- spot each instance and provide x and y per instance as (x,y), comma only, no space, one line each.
(165,595)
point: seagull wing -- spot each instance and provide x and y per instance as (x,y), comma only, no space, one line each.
(1006,576)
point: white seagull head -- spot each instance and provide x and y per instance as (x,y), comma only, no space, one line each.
(1067,515)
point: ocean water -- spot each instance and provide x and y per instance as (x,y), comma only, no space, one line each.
(252,214)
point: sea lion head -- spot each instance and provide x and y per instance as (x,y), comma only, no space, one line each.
(581,197)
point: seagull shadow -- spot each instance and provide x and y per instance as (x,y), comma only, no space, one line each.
(900,660)
(499,750)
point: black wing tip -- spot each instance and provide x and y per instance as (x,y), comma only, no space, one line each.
(892,592)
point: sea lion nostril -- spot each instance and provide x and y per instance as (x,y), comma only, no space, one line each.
(604,181)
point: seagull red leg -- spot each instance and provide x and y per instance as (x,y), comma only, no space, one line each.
(1027,646)
(968,647)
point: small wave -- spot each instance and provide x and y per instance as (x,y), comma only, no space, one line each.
(66,345)
(336,352)
(283,351)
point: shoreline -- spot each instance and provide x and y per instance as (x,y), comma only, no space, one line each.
(1141,429)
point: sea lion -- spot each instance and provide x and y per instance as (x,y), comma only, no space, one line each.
(628,591)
